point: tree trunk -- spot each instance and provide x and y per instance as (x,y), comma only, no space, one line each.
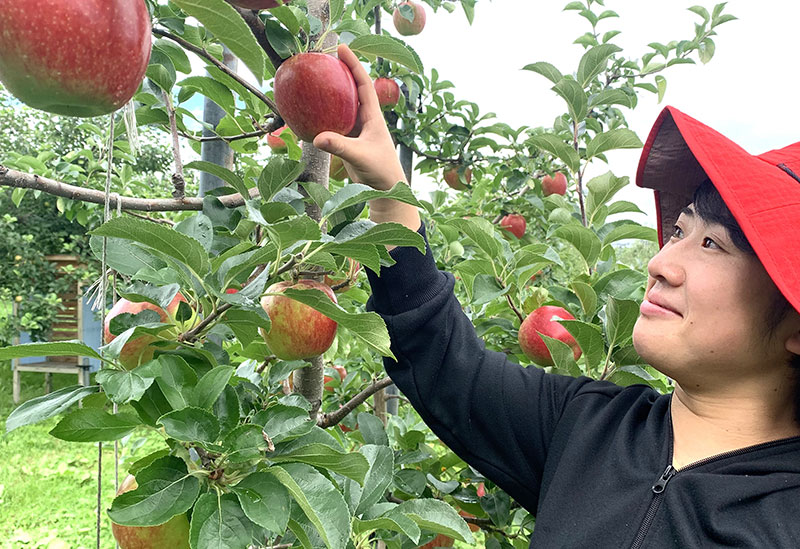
(216,152)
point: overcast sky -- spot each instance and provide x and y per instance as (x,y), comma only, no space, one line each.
(749,91)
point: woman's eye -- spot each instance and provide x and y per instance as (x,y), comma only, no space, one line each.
(677,232)
(711,240)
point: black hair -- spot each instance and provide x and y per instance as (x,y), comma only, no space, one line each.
(708,204)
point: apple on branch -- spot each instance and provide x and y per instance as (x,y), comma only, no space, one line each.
(316,92)
(453,177)
(409,18)
(557,184)
(388,92)
(139,350)
(515,224)
(544,320)
(298,331)
(173,534)
(73,58)
(275,142)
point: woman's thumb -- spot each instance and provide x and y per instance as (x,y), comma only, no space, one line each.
(331,142)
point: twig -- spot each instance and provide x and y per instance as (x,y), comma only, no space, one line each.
(177,178)
(153,219)
(330,419)
(260,32)
(232,138)
(220,65)
(21,180)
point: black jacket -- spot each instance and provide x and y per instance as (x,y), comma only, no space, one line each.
(591,460)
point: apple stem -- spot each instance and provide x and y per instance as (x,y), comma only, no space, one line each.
(514,308)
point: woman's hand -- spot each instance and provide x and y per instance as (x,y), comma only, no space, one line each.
(370,158)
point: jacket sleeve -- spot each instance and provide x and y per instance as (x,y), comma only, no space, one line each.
(496,415)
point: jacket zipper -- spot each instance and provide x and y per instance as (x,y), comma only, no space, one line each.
(661,484)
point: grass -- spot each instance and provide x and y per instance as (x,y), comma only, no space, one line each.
(48,487)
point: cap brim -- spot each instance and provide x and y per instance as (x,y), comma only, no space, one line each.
(681,152)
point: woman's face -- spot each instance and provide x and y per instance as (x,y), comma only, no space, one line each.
(703,319)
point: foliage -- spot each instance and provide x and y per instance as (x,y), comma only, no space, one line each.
(235,442)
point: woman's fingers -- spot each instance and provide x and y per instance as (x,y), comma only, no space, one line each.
(370,109)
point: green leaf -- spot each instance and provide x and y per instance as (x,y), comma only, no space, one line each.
(94,425)
(584,240)
(611,96)
(245,324)
(227,25)
(573,94)
(379,476)
(122,386)
(587,296)
(355,193)
(219,522)
(277,174)
(436,516)
(367,327)
(621,315)
(372,429)
(706,50)
(481,232)
(281,40)
(545,69)
(55,348)
(281,422)
(631,230)
(264,500)
(630,375)
(620,283)
(563,356)
(661,82)
(211,386)
(160,238)
(124,256)
(319,499)
(244,443)
(620,138)
(701,11)
(223,173)
(395,50)
(558,148)
(212,89)
(138,291)
(590,340)
(47,406)
(594,62)
(190,424)
(350,465)
(336,7)
(602,189)
(392,520)
(165,490)
(176,380)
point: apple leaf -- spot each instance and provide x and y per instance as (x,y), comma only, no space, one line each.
(54,348)
(165,489)
(281,422)
(557,147)
(279,172)
(622,283)
(160,296)
(228,27)
(630,230)
(211,386)
(589,339)
(482,233)
(245,443)
(225,174)
(176,380)
(594,62)
(602,189)
(190,424)
(545,69)
(47,406)
(584,240)
(319,499)
(573,94)
(611,97)
(436,516)
(218,521)
(122,386)
(621,138)
(94,425)
(264,500)
(621,315)
(245,324)
(168,241)
(356,193)
(350,465)
(379,475)
(368,327)
(372,46)
(124,256)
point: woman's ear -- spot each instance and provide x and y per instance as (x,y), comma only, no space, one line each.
(793,343)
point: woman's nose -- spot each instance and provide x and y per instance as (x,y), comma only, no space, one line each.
(666,266)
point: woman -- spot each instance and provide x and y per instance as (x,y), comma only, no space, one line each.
(715,464)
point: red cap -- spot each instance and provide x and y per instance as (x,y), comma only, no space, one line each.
(762,192)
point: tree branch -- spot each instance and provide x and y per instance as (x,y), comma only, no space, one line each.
(330,419)
(260,32)
(21,180)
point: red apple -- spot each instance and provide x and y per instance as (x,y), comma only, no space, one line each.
(231,291)
(481,491)
(554,185)
(515,224)
(451,177)
(138,350)
(77,58)
(275,143)
(173,534)
(342,374)
(388,92)
(298,331)
(315,92)
(258,4)
(543,320)
(439,541)
(337,170)
(409,27)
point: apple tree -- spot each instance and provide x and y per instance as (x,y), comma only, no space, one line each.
(259,450)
